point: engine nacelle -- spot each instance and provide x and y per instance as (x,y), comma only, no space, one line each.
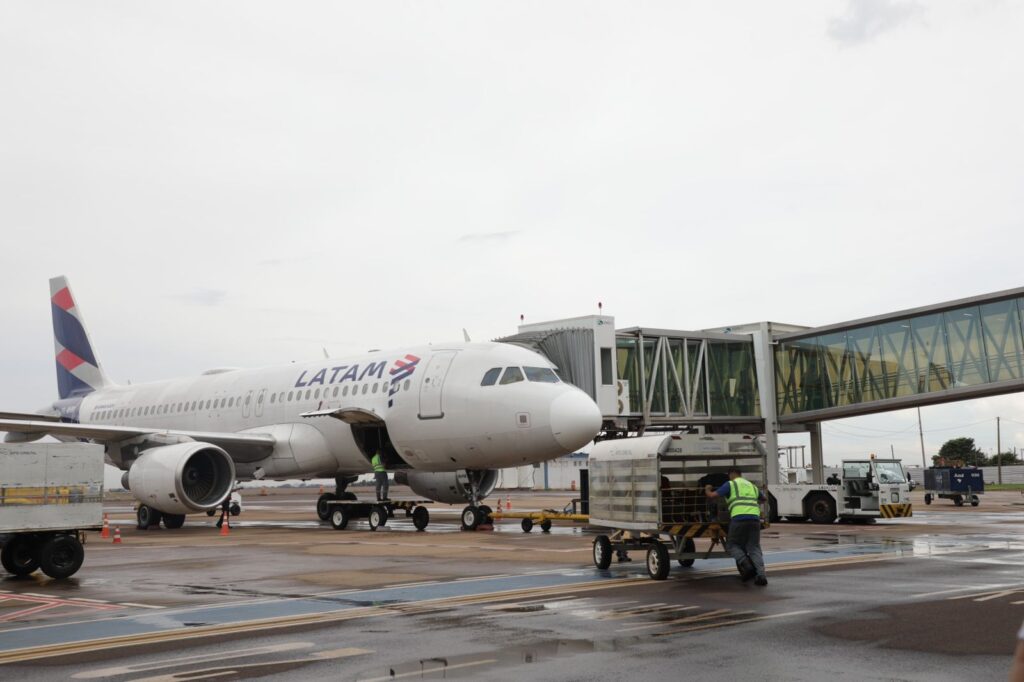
(182,478)
(449,487)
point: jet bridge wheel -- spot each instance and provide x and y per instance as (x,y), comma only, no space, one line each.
(19,556)
(657,561)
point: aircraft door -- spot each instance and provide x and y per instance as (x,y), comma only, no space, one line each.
(432,386)
(258,409)
(247,404)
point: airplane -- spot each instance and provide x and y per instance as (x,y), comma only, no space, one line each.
(445,418)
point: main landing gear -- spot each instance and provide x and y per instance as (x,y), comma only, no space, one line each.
(323,508)
(147,517)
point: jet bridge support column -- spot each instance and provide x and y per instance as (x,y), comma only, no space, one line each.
(764,362)
(817,460)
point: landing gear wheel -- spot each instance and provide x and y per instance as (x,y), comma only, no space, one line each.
(927,498)
(471,518)
(602,552)
(378,516)
(323,510)
(822,510)
(657,562)
(211,512)
(61,556)
(146,517)
(173,521)
(486,511)
(545,525)
(19,556)
(235,509)
(975,501)
(420,518)
(527,525)
(339,517)
(688,546)
(958,500)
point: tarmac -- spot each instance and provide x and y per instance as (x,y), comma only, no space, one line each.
(936,596)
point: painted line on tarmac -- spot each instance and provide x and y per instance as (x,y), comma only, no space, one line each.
(711,626)
(191,658)
(235,670)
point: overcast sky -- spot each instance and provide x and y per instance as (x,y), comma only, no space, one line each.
(244,183)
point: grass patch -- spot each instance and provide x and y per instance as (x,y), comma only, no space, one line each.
(1003,486)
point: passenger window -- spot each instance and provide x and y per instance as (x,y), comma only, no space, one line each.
(511,375)
(308,393)
(374,387)
(491,376)
(365,388)
(542,375)
(273,398)
(317,393)
(290,394)
(408,383)
(335,391)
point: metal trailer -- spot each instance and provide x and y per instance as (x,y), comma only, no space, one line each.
(544,517)
(50,494)
(376,513)
(650,492)
(959,484)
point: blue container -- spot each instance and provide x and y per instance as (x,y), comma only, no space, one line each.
(954,480)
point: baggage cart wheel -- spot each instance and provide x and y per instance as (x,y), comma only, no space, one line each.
(657,562)
(146,517)
(420,517)
(19,556)
(339,517)
(975,501)
(173,521)
(323,510)
(545,525)
(688,546)
(378,516)
(602,551)
(61,556)
(927,498)
(958,500)
(471,518)
(527,525)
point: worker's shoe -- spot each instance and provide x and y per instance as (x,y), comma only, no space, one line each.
(761,581)
(747,570)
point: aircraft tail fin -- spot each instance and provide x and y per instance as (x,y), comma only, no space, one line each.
(78,370)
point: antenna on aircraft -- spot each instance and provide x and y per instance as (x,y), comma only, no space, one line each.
(326,355)
(521,318)
(465,335)
(600,306)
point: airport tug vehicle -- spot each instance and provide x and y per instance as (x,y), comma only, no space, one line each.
(649,492)
(50,494)
(868,489)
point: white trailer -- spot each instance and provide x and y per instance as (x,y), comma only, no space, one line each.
(867,489)
(50,493)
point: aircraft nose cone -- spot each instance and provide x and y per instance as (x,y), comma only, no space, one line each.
(575,420)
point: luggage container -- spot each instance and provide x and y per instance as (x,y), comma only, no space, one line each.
(959,484)
(650,492)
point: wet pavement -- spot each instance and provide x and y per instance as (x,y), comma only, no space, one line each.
(939,596)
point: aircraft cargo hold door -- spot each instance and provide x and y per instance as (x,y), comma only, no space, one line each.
(433,384)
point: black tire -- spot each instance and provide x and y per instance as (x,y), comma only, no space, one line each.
(657,561)
(420,518)
(821,509)
(323,510)
(351,497)
(61,556)
(20,555)
(796,519)
(146,517)
(602,552)
(235,509)
(927,498)
(545,525)
(339,517)
(527,525)
(773,509)
(471,518)
(688,546)
(975,501)
(958,500)
(486,512)
(173,521)
(378,516)
(211,512)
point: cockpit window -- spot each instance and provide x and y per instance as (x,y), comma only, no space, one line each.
(544,375)
(511,375)
(491,376)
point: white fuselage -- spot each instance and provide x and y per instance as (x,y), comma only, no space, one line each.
(437,414)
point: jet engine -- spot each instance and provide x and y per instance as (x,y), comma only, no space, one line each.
(181,478)
(450,487)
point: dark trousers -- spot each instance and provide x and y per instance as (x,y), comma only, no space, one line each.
(745,541)
(382,484)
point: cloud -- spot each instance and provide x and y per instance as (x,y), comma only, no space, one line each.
(865,20)
(205,297)
(478,237)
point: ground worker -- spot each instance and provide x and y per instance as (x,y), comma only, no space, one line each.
(381,474)
(744,541)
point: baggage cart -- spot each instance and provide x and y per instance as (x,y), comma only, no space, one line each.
(960,484)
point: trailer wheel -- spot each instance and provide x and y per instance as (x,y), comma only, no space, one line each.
(323,510)
(173,521)
(378,516)
(471,518)
(420,517)
(958,500)
(545,525)
(19,556)
(975,501)
(657,562)
(927,498)
(146,517)
(602,551)
(339,517)
(527,525)
(822,509)
(688,546)
(61,556)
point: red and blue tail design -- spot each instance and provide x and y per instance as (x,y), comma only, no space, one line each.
(403,369)
(78,370)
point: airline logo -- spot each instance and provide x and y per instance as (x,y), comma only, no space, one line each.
(78,371)
(403,369)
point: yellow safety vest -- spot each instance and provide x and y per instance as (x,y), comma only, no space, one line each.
(743,498)
(378,466)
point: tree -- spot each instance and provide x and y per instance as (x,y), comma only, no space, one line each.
(961,449)
(1005,459)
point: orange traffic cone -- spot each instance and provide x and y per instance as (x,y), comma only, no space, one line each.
(117,535)
(321,490)
(225,526)
(105,533)
(508,502)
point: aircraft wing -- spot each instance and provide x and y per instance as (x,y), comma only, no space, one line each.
(243,447)
(30,416)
